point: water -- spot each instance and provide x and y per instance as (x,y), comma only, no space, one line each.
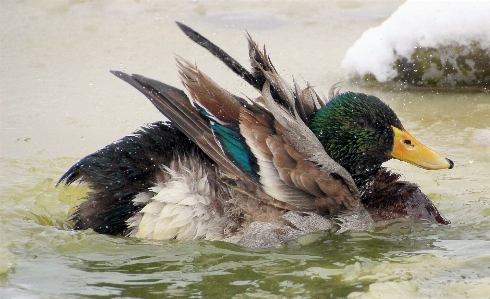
(59,103)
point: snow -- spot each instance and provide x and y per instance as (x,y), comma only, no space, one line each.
(417,24)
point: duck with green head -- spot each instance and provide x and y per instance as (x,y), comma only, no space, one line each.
(228,168)
(361,132)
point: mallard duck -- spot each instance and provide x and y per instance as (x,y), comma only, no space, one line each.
(254,172)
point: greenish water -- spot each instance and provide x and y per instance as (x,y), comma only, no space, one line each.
(42,258)
(59,103)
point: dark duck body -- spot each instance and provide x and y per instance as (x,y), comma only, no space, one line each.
(228,168)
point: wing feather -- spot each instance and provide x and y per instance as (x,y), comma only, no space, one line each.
(174,104)
(293,168)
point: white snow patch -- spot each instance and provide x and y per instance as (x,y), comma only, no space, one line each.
(417,24)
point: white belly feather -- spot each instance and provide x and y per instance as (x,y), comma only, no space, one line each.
(189,204)
(184,207)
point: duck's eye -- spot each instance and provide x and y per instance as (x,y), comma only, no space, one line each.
(407,142)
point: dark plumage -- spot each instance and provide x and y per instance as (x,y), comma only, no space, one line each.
(225,167)
(121,170)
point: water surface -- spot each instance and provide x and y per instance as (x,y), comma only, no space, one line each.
(60,103)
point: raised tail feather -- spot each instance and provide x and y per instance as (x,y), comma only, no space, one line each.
(293,108)
(231,141)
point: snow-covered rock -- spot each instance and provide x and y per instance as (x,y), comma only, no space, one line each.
(426,44)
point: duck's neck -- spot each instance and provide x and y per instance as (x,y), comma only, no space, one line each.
(348,152)
(363,179)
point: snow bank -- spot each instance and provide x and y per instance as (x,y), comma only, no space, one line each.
(441,44)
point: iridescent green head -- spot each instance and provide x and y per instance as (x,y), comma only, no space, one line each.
(361,132)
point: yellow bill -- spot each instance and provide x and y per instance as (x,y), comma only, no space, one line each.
(407,148)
